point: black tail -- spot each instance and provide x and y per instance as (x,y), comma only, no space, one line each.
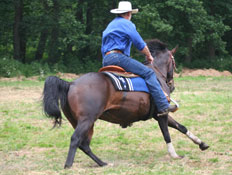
(55,96)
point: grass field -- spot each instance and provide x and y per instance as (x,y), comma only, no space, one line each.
(29,146)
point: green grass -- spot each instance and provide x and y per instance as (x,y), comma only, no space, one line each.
(29,146)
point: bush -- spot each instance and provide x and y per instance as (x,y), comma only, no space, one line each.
(9,67)
(78,66)
(12,68)
(218,63)
(223,64)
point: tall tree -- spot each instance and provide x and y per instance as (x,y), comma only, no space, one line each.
(7,24)
(53,45)
(218,12)
(188,19)
(44,32)
(69,31)
(19,32)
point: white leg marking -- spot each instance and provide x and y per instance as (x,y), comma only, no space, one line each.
(194,138)
(172,151)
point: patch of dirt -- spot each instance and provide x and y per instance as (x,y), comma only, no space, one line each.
(9,94)
(203,72)
(67,76)
(185,72)
(20,78)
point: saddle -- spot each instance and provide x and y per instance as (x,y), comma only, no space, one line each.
(119,71)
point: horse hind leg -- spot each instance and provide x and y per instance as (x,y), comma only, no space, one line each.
(77,138)
(81,139)
(174,124)
(87,150)
(69,116)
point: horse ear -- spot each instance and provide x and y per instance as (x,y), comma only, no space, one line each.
(174,50)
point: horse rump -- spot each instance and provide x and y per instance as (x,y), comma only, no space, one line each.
(55,96)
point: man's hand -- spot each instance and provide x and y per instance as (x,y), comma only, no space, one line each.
(147,52)
(150,59)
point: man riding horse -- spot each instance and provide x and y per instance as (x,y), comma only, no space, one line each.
(93,95)
(116,43)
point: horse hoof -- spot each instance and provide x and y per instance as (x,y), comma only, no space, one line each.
(176,157)
(103,164)
(179,157)
(67,166)
(203,146)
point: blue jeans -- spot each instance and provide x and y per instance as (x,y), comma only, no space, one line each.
(134,66)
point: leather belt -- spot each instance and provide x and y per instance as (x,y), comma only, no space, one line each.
(113,51)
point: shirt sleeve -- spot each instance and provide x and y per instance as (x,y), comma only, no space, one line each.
(135,37)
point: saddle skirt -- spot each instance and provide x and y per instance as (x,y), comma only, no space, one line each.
(124,81)
(127,84)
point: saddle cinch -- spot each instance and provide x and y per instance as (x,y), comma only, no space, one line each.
(116,72)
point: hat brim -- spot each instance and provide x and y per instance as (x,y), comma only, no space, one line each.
(117,11)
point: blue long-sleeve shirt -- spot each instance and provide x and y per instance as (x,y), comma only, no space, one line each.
(119,35)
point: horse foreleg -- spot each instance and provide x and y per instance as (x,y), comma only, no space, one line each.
(202,145)
(163,124)
(76,140)
(87,150)
(174,124)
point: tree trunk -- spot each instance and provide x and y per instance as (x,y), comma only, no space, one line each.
(79,12)
(41,45)
(43,36)
(53,53)
(19,33)
(211,50)
(188,57)
(211,47)
(89,17)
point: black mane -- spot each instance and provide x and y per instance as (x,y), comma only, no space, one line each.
(156,45)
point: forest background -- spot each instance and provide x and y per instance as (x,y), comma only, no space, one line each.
(49,36)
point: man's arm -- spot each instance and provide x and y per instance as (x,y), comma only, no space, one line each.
(147,53)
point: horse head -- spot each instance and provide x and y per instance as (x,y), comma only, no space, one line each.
(163,64)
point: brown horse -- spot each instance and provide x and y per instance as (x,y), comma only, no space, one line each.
(92,97)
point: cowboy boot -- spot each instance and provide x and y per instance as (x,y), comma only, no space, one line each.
(171,108)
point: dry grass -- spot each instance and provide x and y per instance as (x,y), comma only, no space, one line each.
(28,146)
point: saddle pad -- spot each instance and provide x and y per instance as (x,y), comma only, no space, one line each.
(127,84)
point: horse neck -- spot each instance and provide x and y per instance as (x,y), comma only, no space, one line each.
(161,76)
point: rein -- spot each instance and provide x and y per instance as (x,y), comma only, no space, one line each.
(162,75)
(171,58)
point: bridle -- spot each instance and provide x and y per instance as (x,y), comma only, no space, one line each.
(171,62)
(169,81)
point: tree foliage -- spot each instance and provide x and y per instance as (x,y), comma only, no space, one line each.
(68,33)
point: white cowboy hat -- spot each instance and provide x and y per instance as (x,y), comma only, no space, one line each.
(123,7)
